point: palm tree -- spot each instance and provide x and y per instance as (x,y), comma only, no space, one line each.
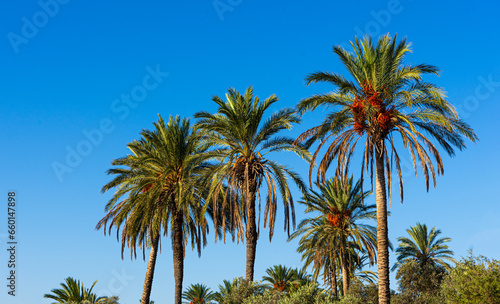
(320,250)
(241,140)
(73,291)
(159,181)
(358,269)
(385,97)
(198,294)
(424,247)
(300,278)
(340,207)
(279,277)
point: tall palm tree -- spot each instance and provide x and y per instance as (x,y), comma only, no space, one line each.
(424,247)
(73,291)
(384,97)
(241,140)
(159,183)
(198,294)
(340,208)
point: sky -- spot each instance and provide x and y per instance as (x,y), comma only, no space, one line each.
(81,79)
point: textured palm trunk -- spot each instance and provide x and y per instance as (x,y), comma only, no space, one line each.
(178,248)
(251,236)
(345,270)
(334,280)
(384,292)
(148,281)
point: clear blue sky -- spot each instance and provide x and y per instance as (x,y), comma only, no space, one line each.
(67,70)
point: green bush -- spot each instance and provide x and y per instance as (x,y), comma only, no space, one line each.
(308,294)
(473,280)
(419,284)
(361,293)
(237,291)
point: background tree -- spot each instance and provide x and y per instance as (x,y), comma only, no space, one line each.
(340,208)
(419,283)
(424,247)
(242,139)
(73,291)
(237,290)
(159,181)
(321,251)
(198,294)
(475,279)
(384,97)
(279,278)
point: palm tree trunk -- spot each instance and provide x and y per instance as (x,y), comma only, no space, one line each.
(178,249)
(345,270)
(251,233)
(334,279)
(384,291)
(148,281)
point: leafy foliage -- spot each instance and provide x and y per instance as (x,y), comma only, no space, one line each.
(335,234)
(241,140)
(419,283)
(157,190)
(198,294)
(307,294)
(473,280)
(424,247)
(236,291)
(73,291)
(361,293)
(385,99)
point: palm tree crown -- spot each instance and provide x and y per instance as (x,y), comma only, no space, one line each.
(340,208)
(384,98)
(424,247)
(198,294)
(73,291)
(279,277)
(159,181)
(241,140)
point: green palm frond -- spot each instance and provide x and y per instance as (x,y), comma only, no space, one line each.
(408,106)
(425,247)
(73,291)
(198,294)
(241,139)
(336,228)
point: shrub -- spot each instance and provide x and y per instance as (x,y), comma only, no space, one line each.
(473,280)
(419,284)
(307,294)
(361,293)
(237,291)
